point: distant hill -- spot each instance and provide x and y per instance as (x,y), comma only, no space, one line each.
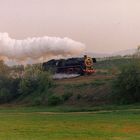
(121,53)
(97,54)
(125,52)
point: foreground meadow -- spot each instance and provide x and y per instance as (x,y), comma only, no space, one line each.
(100,125)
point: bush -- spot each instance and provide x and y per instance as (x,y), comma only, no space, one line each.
(66,96)
(54,100)
(44,82)
(79,96)
(5,95)
(27,86)
(37,82)
(126,88)
(37,101)
(8,88)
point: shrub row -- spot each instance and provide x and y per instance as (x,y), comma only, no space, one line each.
(126,87)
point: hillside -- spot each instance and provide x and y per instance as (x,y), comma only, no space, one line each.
(80,91)
(87,90)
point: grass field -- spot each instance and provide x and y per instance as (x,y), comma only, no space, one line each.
(18,124)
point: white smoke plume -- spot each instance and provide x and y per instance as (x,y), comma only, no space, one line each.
(37,47)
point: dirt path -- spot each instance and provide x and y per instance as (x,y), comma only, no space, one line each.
(83,79)
(71,113)
(87,112)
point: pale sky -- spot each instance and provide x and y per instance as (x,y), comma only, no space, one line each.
(104,26)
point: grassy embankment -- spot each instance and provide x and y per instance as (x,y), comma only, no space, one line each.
(82,91)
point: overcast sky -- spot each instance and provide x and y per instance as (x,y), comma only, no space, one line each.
(103,25)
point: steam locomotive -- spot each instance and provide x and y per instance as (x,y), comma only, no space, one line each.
(80,66)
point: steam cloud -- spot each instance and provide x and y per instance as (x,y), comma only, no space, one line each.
(37,47)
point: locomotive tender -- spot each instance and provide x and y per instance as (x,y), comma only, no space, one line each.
(80,66)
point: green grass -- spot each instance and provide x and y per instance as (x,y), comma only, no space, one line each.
(36,124)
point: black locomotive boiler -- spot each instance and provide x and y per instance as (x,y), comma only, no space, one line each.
(80,66)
